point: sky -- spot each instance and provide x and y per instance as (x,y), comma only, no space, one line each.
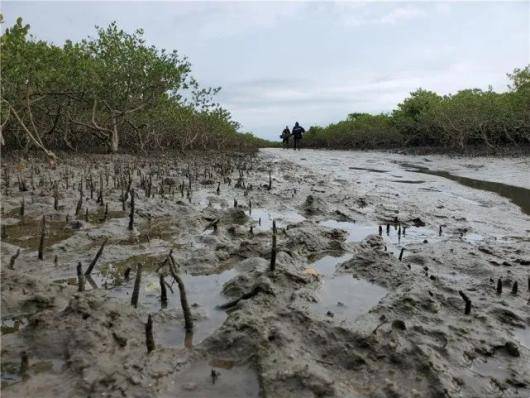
(312,62)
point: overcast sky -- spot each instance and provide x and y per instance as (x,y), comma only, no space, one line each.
(315,62)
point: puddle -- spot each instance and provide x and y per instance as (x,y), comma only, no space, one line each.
(347,298)
(98,217)
(230,381)
(490,367)
(523,335)
(10,373)
(471,237)
(204,293)
(517,195)
(357,232)
(341,296)
(26,234)
(13,324)
(326,265)
(283,218)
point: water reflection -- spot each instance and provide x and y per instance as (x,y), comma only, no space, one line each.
(517,195)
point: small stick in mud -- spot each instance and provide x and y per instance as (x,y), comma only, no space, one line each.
(127,273)
(81,193)
(214,375)
(163,292)
(91,282)
(80,278)
(24,363)
(440,231)
(466,299)
(86,214)
(149,339)
(56,260)
(42,233)
(188,320)
(401,254)
(251,230)
(123,198)
(55,197)
(515,288)
(380,230)
(22,206)
(100,197)
(78,206)
(96,258)
(136,289)
(235,203)
(4,232)
(13,259)
(218,191)
(106,214)
(499,286)
(388,229)
(22,184)
(273,250)
(91,188)
(131,214)
(270,180)
(213,225)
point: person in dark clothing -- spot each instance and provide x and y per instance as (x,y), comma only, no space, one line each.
(297,134)
(286,133)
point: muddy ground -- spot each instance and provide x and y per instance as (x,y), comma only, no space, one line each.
(373,253)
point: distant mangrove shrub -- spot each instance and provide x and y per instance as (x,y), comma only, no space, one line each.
(110,92)
(467,118)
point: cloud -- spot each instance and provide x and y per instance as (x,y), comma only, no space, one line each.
(401,14)
(377,14)
(227,19)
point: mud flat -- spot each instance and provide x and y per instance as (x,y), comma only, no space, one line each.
(390,278)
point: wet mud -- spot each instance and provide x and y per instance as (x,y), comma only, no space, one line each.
(385,279)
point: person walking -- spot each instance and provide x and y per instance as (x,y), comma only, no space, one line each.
(297,135)
(286,133)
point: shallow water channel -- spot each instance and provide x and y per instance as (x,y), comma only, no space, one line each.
(517,195)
